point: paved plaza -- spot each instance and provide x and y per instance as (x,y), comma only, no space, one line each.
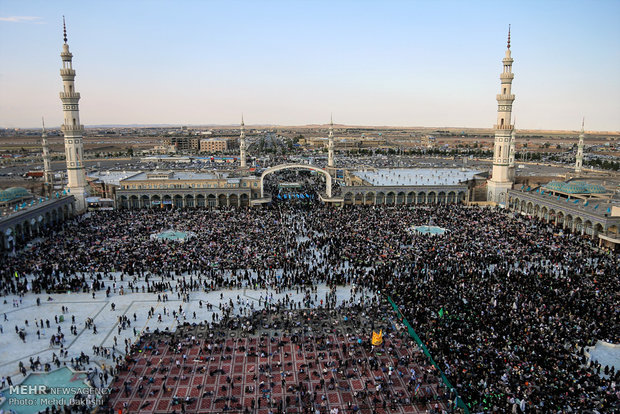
(135,306)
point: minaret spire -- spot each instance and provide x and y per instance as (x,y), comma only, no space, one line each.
(64,29)
(579,158)
(501,181)
(508,46)
(242,147)
(330,142)
(72,128)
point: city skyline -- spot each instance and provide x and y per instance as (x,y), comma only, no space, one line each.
(294,63)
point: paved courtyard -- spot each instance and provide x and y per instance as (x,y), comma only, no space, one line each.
(134,306)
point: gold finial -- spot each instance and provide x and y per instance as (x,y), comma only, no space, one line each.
(64,28)
(508,36)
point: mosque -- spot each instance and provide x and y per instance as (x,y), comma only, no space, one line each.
(575,206)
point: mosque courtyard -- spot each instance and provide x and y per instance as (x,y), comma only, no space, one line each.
(273,311)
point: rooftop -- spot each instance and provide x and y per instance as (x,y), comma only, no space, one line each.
(112,177)
(416,176)
(182,175)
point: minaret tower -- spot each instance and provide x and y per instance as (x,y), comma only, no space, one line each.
(72,129)
(330,144)
(48,175)
(242,148)
(579,160)
(513,151)
(500,182)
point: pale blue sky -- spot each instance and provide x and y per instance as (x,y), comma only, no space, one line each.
(401,63)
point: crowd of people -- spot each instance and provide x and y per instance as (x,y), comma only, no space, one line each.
(281,360)
(506,305)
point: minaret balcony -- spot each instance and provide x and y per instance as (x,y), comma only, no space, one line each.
(505,97)
(70,95)
(67,72)
(72,128)
(506,127)
(506,76)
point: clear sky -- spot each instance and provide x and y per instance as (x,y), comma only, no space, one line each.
(399,63)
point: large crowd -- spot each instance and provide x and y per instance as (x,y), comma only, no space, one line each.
(505,305)
(282,360)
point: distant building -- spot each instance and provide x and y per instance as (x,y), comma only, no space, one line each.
(185,143)
(213,145)
(165,149)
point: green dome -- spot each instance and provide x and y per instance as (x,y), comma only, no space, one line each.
(575,187)
(554,185)
(13,193)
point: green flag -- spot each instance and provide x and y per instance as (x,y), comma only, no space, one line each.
(441,313)
(16,275)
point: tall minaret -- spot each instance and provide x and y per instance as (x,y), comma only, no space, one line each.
(48,175)
(500,182)
(330,144)
(242,143)
(579,160)
(72,129)
(513,151)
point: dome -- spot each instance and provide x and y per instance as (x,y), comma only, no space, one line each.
(13,193)
(575,187)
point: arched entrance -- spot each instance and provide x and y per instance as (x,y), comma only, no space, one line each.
(328,178)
